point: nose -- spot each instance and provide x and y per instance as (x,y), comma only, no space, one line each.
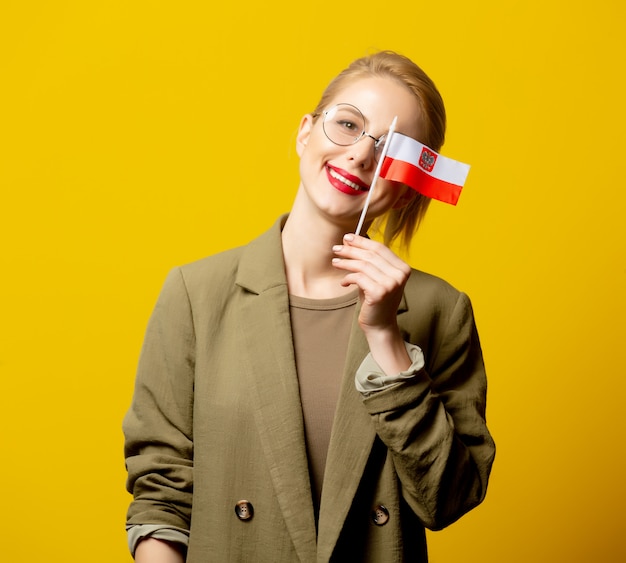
(362,153)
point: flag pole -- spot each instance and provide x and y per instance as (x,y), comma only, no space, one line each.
(392,128)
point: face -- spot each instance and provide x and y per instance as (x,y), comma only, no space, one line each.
(335,179)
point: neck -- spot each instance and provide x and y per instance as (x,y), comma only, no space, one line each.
(307,250)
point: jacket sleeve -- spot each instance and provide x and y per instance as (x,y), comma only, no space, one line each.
(434,424)
(158,426)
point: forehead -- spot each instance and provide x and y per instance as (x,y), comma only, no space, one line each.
(380,100)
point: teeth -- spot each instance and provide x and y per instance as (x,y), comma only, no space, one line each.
(345,181)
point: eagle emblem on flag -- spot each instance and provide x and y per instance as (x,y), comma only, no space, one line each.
(427,159)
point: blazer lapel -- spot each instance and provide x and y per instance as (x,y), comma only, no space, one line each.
(274,384)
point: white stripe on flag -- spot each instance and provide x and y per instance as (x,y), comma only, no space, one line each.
(409,150)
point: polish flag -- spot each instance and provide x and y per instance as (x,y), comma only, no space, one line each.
(410,162)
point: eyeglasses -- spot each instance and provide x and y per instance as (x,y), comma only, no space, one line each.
(344,125)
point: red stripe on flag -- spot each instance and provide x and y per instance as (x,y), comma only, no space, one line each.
(422,182)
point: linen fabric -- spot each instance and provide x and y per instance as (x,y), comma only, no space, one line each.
(216,418)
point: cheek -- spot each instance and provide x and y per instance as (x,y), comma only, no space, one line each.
(307,167)
(313,154)
(387,191)
(392,195)
(305,160)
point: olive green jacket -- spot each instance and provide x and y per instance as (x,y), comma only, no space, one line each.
(216,419)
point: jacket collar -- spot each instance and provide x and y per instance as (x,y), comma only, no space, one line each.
(261,267)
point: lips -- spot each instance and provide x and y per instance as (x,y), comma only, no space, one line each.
(345,182)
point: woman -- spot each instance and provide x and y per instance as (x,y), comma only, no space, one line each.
(309,397)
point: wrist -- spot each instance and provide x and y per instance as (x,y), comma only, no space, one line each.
(388,349)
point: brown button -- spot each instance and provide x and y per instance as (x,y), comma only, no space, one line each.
(244,510)
(380,515)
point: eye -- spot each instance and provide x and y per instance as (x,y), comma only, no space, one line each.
(343,124)
(350,126)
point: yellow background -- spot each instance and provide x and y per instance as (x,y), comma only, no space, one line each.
(139,135)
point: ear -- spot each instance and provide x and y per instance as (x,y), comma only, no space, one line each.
(407,197)
(304,132)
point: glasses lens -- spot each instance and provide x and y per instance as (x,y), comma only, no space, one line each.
(344,124)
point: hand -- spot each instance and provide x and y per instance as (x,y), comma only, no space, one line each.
(380,276)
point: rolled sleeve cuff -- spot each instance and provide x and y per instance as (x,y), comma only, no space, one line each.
(138,532)
(370,378)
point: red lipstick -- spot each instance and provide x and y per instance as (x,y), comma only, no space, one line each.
(345,182)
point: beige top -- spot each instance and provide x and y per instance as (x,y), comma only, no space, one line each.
(321,329)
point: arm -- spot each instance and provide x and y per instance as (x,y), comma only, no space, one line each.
(433,424)
(152,550)
(381,277)
(158,425)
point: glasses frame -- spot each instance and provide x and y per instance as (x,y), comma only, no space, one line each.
(379,142)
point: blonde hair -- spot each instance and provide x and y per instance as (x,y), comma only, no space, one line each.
(402,222)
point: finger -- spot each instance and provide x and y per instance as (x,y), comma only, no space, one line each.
(363,267)
(366,249)
(372,263)
(358,242)
(372,292)
(376,286)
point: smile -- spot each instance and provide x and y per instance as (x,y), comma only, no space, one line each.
(341,182)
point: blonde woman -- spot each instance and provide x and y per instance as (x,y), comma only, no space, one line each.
(310,397)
